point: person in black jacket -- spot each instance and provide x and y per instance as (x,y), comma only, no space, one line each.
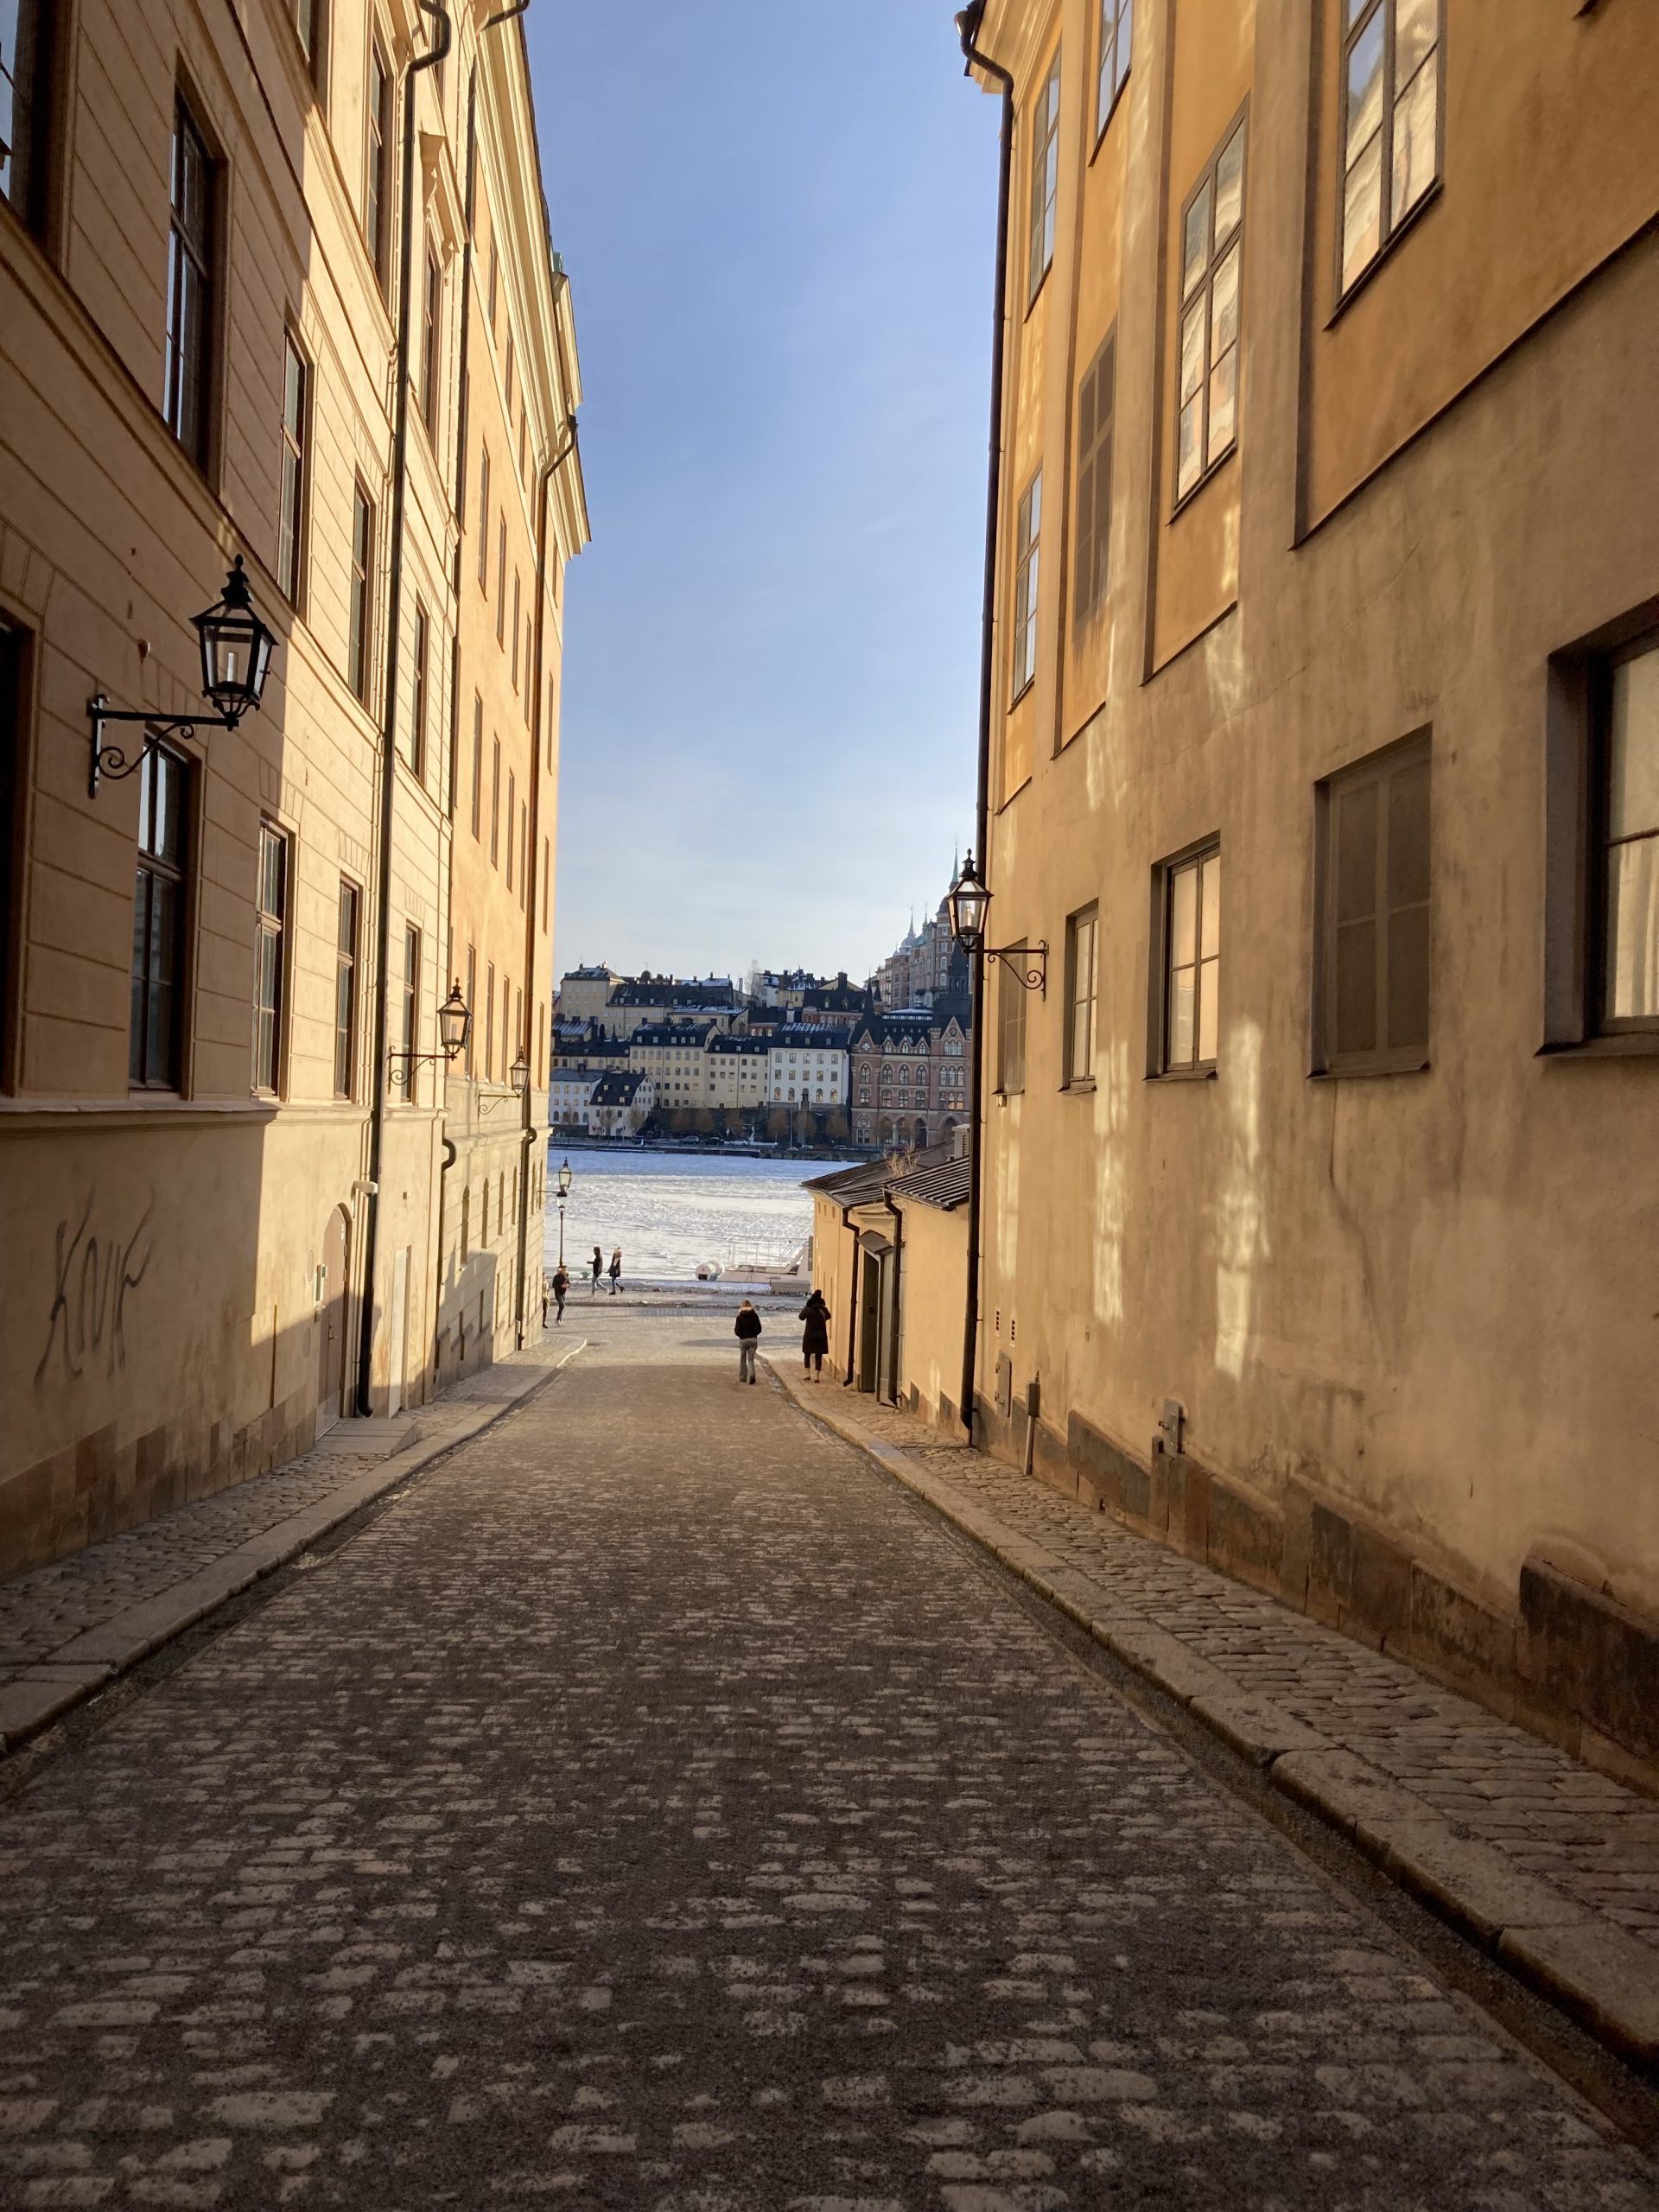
(815,1338)
(747,1329)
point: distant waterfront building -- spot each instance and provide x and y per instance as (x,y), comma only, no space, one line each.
(807,1066)
(672,1054)
(584,993)
(621,1104)
(736,1072)
(909,1073)
(570,1091)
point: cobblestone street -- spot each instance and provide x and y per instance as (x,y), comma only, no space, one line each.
(656,1806)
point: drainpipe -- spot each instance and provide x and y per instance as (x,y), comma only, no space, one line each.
(435,53)
(967,25)
(532,861)
(852,1309)
(898,1289)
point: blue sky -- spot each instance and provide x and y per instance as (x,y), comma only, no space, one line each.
(778,221)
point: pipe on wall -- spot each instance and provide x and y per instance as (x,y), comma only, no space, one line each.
(968,23)
(441,32)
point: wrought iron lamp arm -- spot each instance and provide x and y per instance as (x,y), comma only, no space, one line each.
(1018,959)
(112,761)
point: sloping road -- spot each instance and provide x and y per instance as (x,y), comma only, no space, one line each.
(655,1809)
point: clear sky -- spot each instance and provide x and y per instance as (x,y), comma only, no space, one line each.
(777,220)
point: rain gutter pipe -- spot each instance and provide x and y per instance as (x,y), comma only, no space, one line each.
(852,1310)
(898,1289)
(968,23)
(533,877)
(435,53)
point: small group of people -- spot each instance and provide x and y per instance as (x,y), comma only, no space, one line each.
(815,1337)
(560,1285)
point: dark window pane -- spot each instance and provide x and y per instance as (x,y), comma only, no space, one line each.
(1356,851)
(1408,979)
(140,977)
(1409,835)
(1632,927)
(1355,987)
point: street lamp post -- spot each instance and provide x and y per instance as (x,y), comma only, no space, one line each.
(563,1188)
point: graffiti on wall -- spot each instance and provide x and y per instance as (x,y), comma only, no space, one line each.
(93,1273)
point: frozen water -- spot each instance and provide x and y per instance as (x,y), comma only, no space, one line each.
(669,1212)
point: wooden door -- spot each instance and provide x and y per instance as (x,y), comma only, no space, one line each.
(331,1350)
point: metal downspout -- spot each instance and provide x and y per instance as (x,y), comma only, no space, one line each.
(898,1290)
(434,54)
(852,1310)
(967,27)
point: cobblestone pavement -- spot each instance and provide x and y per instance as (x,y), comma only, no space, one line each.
(42,1611)
(1587,1833)
(655,1809)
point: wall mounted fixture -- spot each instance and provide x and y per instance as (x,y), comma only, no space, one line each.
(236,650)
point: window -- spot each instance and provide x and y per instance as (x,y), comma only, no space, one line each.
(431,328)
(1028,531)
(412,1029)
(1210,248)
(512,804)
(418,706)
(1371,1003)
(25,63)
(189,289)
(15,656)
(472,1000)
(489,1022)
(484,520)
(523,851)
(495,282)
(547,878)
(1116,25)
(154,1053)
(270,964)
(1011,997)
(1080,931)
(376,191)
(1188,930)
(1095,401)
(308,28)
(362,592)
(1045,179)
(452,794)
(345,991)
(517,598)
(1627,938)
(501,577)
(511,364)
(495,804)
(1391,122)
(477,769)
(291,526)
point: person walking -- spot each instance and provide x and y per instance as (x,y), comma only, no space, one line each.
(747,1329)
(599,1270)
(616,1270)
(815,1338)
(561,1292)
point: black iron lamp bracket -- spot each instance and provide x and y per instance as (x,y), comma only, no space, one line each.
(113,760)
(1026,963)
(481,1106)
(401,1067)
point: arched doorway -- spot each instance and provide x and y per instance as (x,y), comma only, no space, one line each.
(921,1132)
(334,1277)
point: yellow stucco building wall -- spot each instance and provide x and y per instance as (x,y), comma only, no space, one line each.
(1375,1331)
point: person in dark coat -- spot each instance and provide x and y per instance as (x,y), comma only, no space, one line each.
(747,1329)
(561,1292)
(616,1271)
(599,1270)
(815,1338)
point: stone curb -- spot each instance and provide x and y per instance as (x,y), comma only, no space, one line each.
(1588,1966)
(43,1692)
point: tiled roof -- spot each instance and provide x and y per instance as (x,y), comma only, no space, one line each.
(946,1186)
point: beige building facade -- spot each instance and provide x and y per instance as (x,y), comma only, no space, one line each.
(1320,1195)
(200,247)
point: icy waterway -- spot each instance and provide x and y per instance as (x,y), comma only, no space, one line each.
(670,1212)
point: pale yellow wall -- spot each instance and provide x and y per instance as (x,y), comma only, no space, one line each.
(1426,1296)
(933,1290)
(110,539)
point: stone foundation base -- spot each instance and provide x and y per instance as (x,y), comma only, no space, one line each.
(1568,1661)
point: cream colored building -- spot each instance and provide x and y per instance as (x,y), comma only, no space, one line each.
(1320,1193)
(806,1066)
(737,1071)
(199,261)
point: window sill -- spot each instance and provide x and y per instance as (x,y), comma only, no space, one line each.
(1380,259)
(1106,120)
(1023,692)
(1184,499)
(1207,1073)
(1617,1044)
(1363,1069)
(1083,1083)
(1036,292)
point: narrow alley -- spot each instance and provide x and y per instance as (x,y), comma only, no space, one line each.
(655,1806)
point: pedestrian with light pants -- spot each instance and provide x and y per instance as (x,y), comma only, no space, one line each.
(747,1329)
